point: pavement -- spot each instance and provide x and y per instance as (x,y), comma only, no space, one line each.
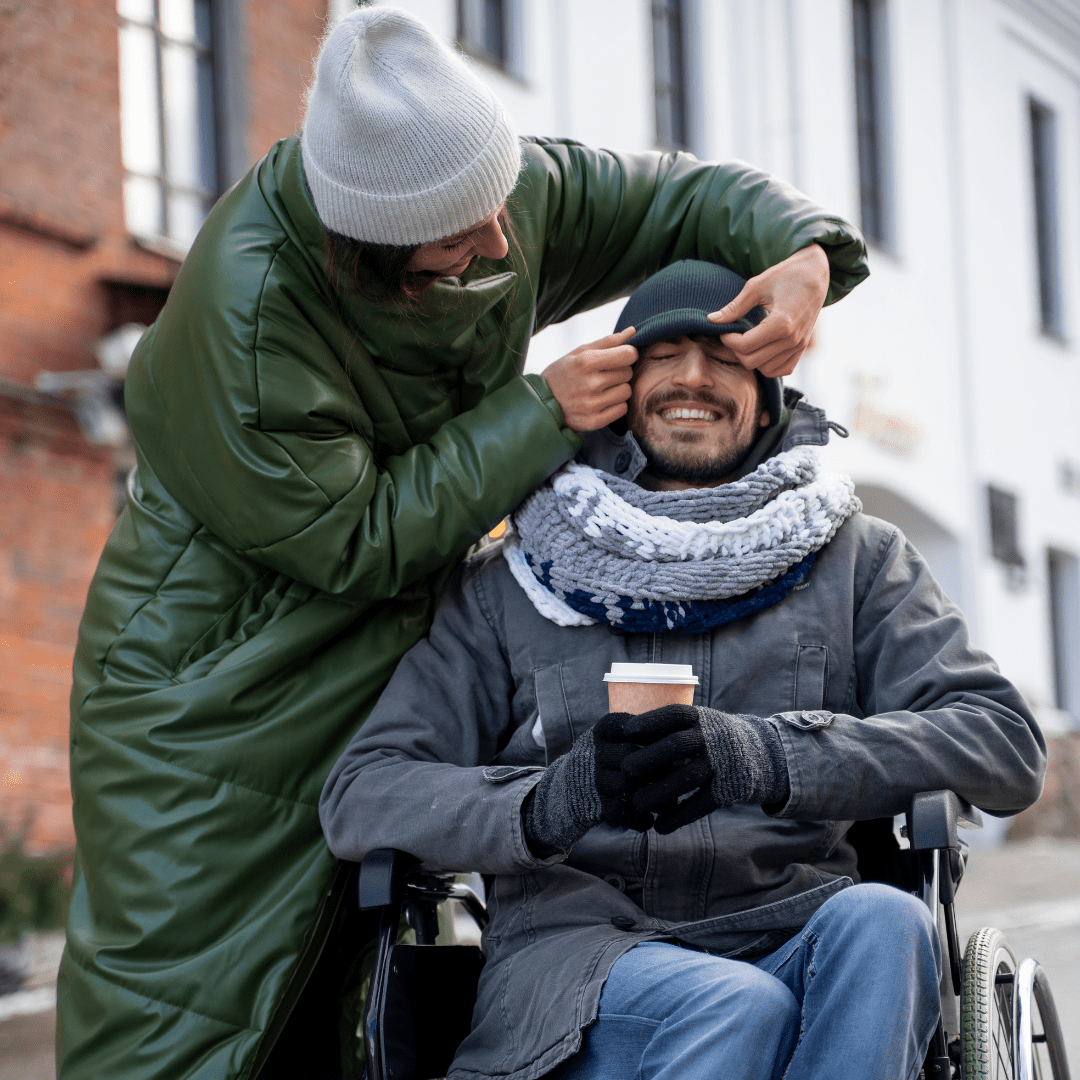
(1030,891)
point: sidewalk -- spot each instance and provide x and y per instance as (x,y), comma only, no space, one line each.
(28,1017)
(1031,892)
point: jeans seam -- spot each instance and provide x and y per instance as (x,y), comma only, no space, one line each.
(811,940)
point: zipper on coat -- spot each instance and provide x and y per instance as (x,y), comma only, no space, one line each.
(309,956)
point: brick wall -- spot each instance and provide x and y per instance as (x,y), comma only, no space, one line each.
(69,272)
(283,37)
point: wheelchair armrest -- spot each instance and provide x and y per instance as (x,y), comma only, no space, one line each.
(934,817)
(382,877)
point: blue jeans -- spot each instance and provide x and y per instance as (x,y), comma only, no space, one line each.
(853,995)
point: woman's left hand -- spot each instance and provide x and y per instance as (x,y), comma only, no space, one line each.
(792,292)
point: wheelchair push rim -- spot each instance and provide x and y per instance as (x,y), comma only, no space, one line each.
(1040,1046)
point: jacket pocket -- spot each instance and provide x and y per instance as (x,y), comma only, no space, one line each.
(811,677)
(570,697)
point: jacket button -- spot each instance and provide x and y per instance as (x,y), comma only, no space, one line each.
(623,922)
(622,461)
(616,881)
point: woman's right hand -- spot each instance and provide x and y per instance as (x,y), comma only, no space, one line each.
(592,383)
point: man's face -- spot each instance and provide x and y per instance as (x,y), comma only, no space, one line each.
(694,410)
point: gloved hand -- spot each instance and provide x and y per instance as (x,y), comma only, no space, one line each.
(583,788)
(723,758)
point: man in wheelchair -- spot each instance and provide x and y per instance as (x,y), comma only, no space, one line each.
(673,894)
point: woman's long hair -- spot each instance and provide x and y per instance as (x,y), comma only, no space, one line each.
(379,272)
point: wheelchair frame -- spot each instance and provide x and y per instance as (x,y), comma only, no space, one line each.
(407,980)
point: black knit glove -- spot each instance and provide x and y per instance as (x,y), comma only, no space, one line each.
(583,788)
(708,759)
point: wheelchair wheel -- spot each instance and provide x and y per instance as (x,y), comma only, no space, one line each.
(986,1008)
(1040,1046)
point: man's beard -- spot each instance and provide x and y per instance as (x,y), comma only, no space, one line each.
(678,460)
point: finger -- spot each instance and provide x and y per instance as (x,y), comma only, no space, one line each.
(638,820)
(593,421)
(649,726)
(613,380)
(652,761)
(766,355)
(782,365)
(690,777)
(610,341)
(684,813)
(748,299)
(612,727)
(617,356)
(776,326)
(611,783)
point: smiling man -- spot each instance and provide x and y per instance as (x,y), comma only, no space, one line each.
(674,894)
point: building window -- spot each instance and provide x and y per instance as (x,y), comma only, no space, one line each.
(489,30)
(1064,581)
(871,114)
(669,74)
(1044,187)
(1004,527)
(168,128)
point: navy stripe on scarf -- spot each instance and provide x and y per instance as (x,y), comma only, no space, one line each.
(685,617)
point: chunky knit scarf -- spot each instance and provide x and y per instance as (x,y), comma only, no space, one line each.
(588,547)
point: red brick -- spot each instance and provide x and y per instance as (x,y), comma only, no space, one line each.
(62,235)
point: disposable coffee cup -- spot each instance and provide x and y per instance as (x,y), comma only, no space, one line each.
(637,688)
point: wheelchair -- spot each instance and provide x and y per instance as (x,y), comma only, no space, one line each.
(998,1020)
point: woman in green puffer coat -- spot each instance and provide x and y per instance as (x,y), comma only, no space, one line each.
(328,412)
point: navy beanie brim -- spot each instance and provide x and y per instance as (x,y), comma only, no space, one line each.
(676,301)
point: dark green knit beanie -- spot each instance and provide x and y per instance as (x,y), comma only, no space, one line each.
(677,299)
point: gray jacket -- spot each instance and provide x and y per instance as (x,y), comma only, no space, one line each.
(867,673)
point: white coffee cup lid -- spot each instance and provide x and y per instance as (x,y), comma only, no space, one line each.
(681,674)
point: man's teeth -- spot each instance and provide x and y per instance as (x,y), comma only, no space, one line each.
(687,414)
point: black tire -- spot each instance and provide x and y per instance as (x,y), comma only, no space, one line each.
(986,1010)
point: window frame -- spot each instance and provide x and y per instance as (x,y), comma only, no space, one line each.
(226,112)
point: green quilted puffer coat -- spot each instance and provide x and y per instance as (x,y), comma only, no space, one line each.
(309,471)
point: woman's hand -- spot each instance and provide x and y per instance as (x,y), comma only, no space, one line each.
(792,292)
(592,383)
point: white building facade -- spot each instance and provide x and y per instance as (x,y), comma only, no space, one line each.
(950,130)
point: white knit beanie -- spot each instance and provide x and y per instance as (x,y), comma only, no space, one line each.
(402,144)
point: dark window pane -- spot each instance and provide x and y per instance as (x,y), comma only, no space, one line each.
(1064,583)
(669,73)
(1044,183)
(203,24)
(482,28)
(494,40)
(1004,526)
(208,169)
(866,20)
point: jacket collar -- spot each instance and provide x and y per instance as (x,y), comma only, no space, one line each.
(802,424)
(440,333)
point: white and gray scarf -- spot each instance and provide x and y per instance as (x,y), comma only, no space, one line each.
(588,547)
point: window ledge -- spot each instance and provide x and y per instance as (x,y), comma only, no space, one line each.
(1056,338)
(161,245)
(494,64)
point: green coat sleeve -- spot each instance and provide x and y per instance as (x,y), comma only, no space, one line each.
(242,408)
(611,219)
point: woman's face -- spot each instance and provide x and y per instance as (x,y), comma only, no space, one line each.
(451,256)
